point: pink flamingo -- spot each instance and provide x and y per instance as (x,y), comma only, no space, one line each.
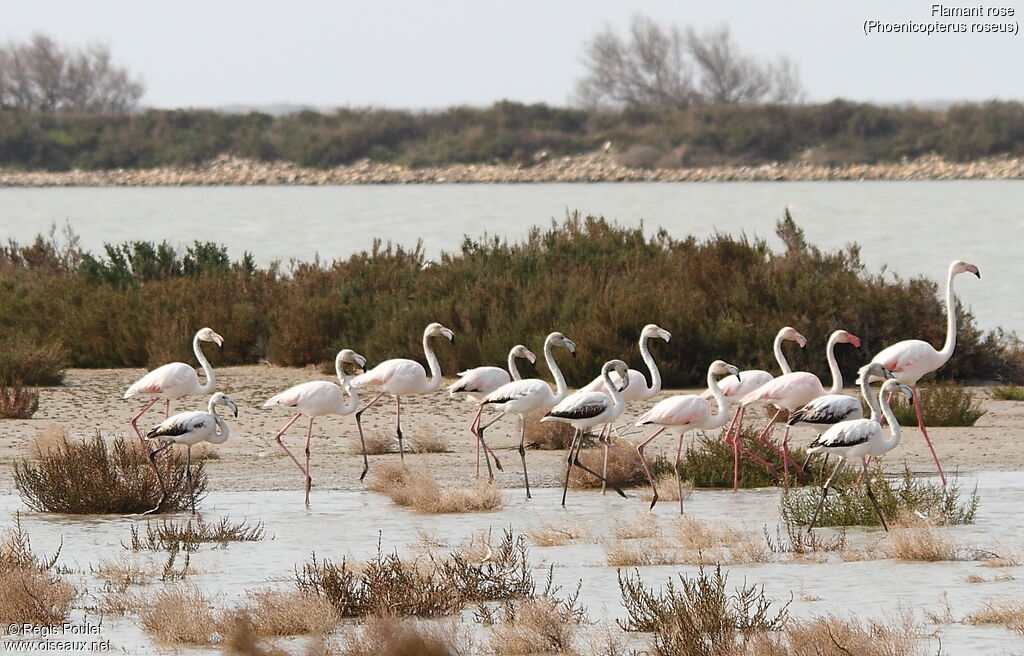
(175,380)
(477,383)
(400,377)
(685,413)
(735,388)
(791,391)
(316,399)
(911,359)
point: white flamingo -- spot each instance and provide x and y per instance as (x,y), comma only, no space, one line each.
(521,397)
(637,389)
(477,383)
(400,377)
(684,413)
(316,399)
(175,380)
(189,428)
(735,388)
(911,359)
(861,438)
(792,391)
(583,410)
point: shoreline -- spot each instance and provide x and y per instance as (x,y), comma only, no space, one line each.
(226,170)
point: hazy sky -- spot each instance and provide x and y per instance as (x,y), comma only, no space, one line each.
(445,52)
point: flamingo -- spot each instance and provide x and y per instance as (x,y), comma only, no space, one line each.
(477,383)
(175,380)
(911,359)
(684,413)
(734,390)
(400,377)
(861,438)
(189,428)
(791,391)
(583,410)
(521,397)
(316,399)
(637,389)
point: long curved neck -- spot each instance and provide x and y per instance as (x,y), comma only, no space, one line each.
(223,432)
(723,403)
(435,367)
(611,389)
(780,357)
(870,397)
(561,389)
(833,366)
(947,348)
(645,353)
(894,426)
(211,380)
(513,370)
(348,406)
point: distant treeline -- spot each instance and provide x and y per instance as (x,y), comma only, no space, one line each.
(839,132)
(139,304)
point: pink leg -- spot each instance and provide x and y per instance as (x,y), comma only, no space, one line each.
(135,420)
(167,408)
(736,454)
(277,438)
(647,470)
(924,431)
(679,478)
(867,461)
(473,429)
(309,479)
(763,437)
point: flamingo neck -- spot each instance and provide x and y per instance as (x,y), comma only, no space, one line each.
(780,357)
(211,380)
(353,398)
(612,390)
(947,348)
(513,370)
(223,432)
(870,397)
(561,389)
(894,426)
(833,366)
(435,367)
(645,353)
(723,403)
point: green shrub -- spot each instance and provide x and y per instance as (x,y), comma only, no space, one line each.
(31,362)
(1008,393)
(942,404)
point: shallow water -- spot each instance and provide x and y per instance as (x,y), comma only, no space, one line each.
(350,523)
(914,228)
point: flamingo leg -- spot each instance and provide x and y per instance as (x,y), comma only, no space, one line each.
(398,428)
(924,431)
(167,408)
(605,438)
(188,477)
(647,470)
(871,495)
(135,419)
(568,463)
(473,429)
(824,493)
(159,479)
(675,468)
(280,443)
(362,440)
(309,479)
(574,459)
(522,452)
(860,476)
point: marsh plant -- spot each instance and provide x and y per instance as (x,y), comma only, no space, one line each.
(31,589)
(18,401)
(1008,393)
(942,404)
(906,495)
(188,535)
(90,477)
(30,361)
(415,488)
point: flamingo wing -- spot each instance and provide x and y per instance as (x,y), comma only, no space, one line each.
(195,424)
(173,379)
(481,380)
(912,358)
(828,409)
(790,391)
(518,389)
(396,375)
(307,397)
(636,380)
(845,434)
(749,381)
(676,411)
(581,405)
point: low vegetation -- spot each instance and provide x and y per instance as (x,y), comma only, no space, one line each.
(188,535)
(908,496)
(393,636)
(27,360)
(18,401)
(624,468)
(548,435)
(1008,393)
(732,305)
(942,404)
(1006,612)
(417,489)
(31,589)
(90,477)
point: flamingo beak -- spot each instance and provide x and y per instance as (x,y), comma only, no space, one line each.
(531,357)
(854,340)
(218,340)
(665,335)
(973,269)
(234,408)
(801,340)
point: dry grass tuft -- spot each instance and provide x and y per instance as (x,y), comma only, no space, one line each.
(542,625)
(18,401)
(188,535)
(1007,612)
(30,590)
(548,435)
(86,477)
(803,544)
(204,451)
(288,613)
(417,489)
(1008,393)
(550,534)
(391,636)
(667,488)
(624,468)
(121,572)
(376,444)
(918,539)
(180,615)
(643,525)
(836,636)
(640,554)
(711,542)
(429,441)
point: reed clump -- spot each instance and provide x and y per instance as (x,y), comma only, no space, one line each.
(1005,612)
(180,615)
(417,489)
(547,435)
(18,401)
(287,613)
(31,589)
(942,404)
(26,360)
(188,535)
(919,539)
(1008,392)
(624,468)
(552,534)
(907,495)
(89,477)
(834,635)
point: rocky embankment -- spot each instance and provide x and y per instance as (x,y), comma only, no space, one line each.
(592,167)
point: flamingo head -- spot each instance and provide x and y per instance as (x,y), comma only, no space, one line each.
(893,385)
(558,339)
(792,335)
(619,367)
(964,267)
(652,331)
(207,335)
(437,330)
(521,351)
(873,371)
(844,337)
(723,368)
(220,398)
(351,357)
